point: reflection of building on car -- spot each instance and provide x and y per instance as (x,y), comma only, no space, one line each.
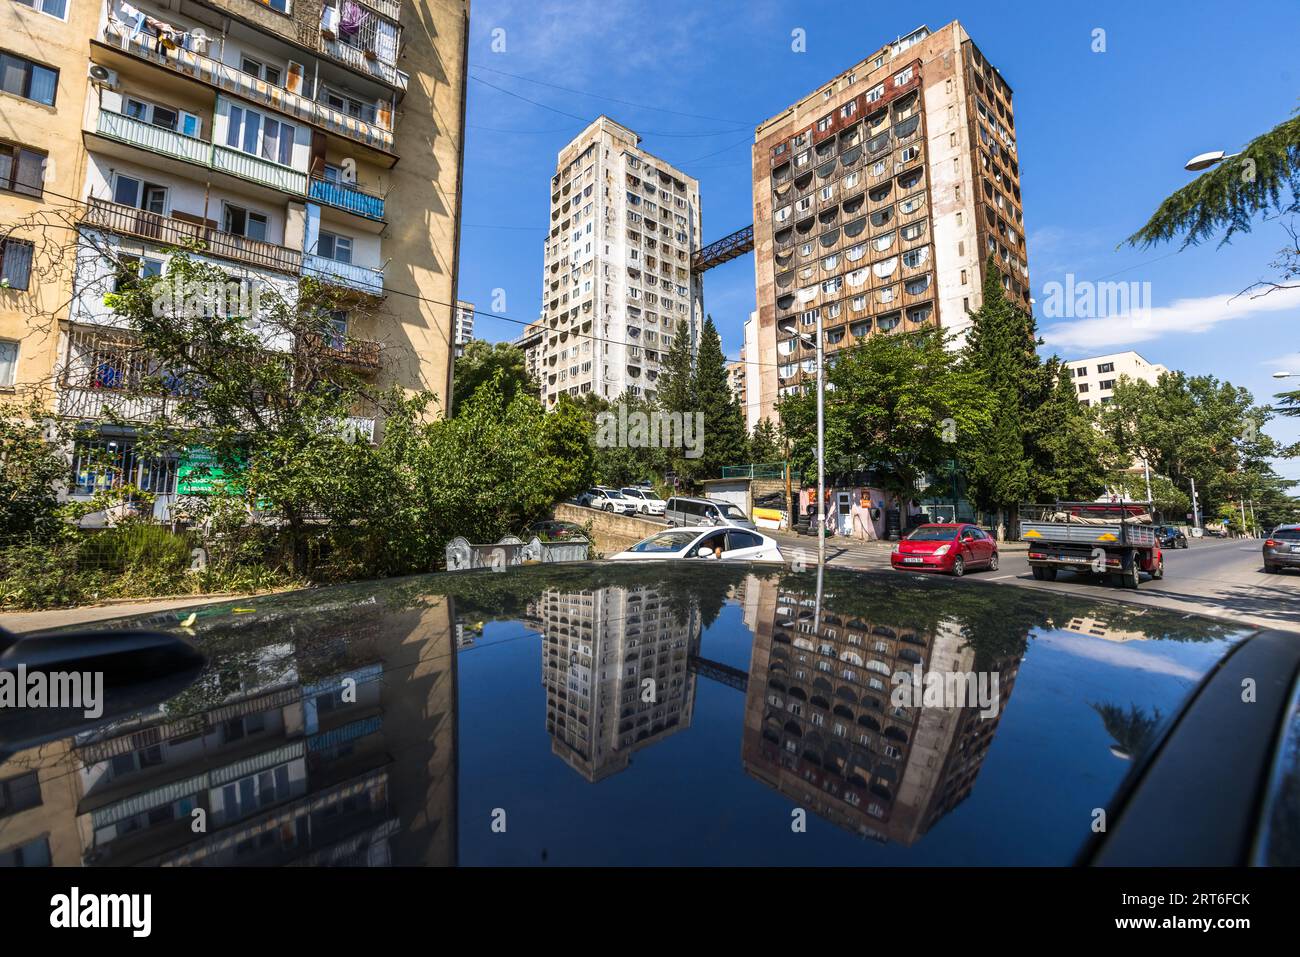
(946,548)
(704,544)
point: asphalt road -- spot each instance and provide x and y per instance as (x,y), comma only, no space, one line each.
(1222,578)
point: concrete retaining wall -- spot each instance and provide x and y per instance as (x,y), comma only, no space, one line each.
(611,533)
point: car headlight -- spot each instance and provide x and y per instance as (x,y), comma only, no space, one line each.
(941,550)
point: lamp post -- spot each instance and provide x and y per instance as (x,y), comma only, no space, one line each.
(821,443)
(1205,160)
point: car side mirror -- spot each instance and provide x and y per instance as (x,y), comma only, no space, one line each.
(704,552)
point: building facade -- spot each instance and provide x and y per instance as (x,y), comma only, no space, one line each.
(1095,377)
(464,325)
(879,198)
(616,275)
(530,344)
(267,137)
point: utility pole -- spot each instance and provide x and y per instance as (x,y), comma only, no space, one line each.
(1196,508)
(1242,503)
(1146,468)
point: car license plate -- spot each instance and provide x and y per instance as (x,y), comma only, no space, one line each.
(913,561)
(1073,559)
(1295,548)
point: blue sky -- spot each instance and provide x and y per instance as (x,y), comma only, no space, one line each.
(1102,139)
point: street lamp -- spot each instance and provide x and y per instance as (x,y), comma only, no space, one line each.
(1205,160)
(1286,375)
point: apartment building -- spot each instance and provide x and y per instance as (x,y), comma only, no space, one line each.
(464,325)
(750,366)
(531,343)
(616,666)
(283,140)
(616,275)
(1095,377)
(878,199)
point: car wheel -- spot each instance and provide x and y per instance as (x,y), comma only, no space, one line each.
(993,562)
(1130,576)
(958,567)
(609,506)
(1270,569)
(1038,573)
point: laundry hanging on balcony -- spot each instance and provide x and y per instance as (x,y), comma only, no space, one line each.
(352,19)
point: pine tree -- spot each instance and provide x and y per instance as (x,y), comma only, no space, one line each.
(764,443)
(676,391)
(725,441)
(1001,348)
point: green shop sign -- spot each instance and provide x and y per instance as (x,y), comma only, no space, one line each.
(199,473)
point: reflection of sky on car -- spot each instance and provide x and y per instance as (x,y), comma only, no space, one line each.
(665,542)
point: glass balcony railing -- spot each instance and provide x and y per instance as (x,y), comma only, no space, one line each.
(347,196)
(362,278)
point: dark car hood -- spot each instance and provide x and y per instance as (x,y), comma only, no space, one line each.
(640,714)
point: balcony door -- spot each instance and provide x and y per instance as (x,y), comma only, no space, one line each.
(150,201)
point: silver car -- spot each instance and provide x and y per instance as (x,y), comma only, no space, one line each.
(1282,548)
(703,511)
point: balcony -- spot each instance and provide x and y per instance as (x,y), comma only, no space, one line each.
(133,132)
(375,132)
(169,231)
(348,196)
(363,353)
(258,170)
(367,44)
(361,278)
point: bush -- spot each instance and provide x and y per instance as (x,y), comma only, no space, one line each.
(42,575)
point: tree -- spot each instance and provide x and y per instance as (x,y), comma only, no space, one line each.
(676,391)
(1229,196)
(896,404)
(764,443)
(1001,349)
(1068,454)
(724,441)
(481,362)
(32,467)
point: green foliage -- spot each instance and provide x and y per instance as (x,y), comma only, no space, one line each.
(1228,196)
(32,466)
(484,362)
(765,443)
(896,401)
(724,441)
(1068,455)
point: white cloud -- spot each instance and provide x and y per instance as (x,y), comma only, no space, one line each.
(1180,316)
(1287,361)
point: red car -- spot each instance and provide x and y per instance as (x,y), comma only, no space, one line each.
(951,548)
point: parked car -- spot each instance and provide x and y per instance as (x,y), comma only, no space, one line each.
(645,500)
(1282,548)
(552,531)
(607,499)
(1171,536)
(951,548)
(703,544)
(703,511)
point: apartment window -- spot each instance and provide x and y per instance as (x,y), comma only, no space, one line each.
(8,363)
(21,170)
(263,71)
(19,793)
(54,8)
(15,263)
(824,123)
(179,121)
(1106,367)
(35,853)
(1106,384)
(335,247)
(244,222)
(140,194)
(848,109)
(31,81)
(1081,371)
(260,135)
(1083,387)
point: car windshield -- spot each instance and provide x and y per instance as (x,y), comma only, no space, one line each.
(731,511)
(453,674)
(613,493)
(1287,535)
(665,542)
(932,533)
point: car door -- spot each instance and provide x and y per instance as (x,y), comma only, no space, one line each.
(971,549)
(742,544)
(712,542)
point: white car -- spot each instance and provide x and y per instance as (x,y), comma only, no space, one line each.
(645,501)
(703,544)
(607,499)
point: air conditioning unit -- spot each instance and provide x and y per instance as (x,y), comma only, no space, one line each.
(102,76)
